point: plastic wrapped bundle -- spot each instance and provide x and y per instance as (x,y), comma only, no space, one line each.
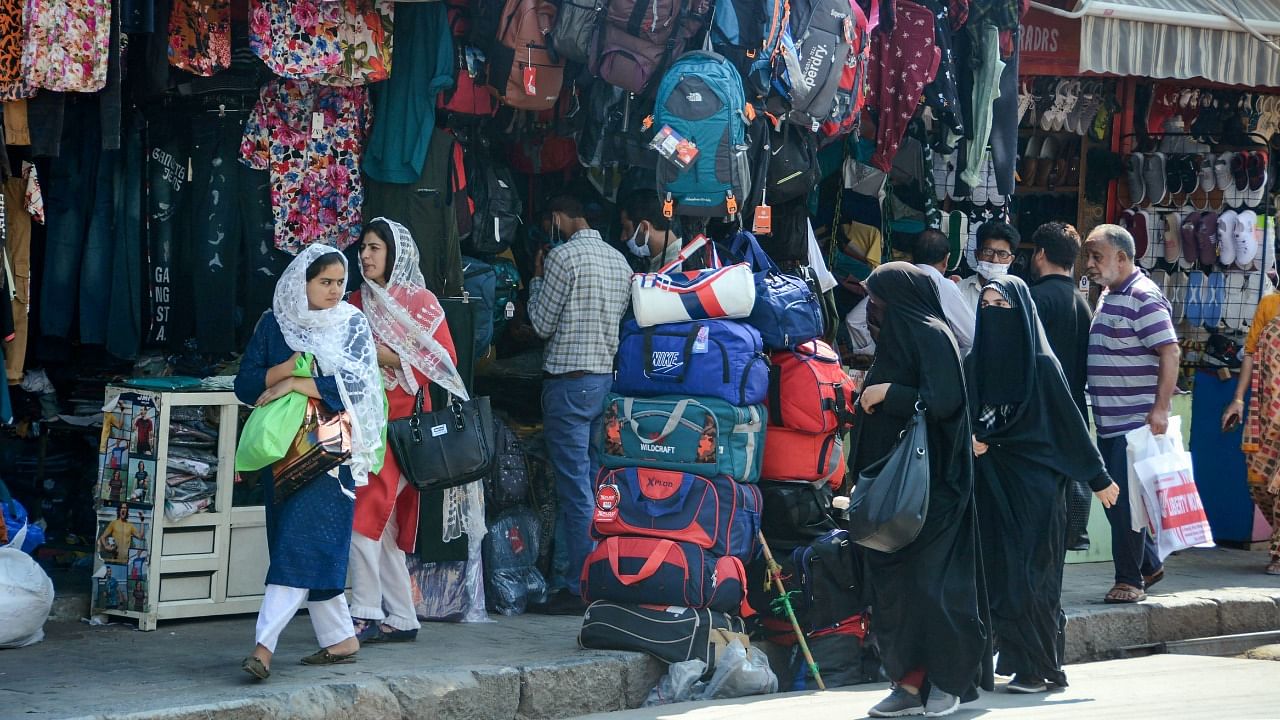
(511,548)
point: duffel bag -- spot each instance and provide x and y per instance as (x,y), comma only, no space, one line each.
(663,572)
(842,653)
(703,436)
(707,358)
(795,513)
(786,311)
(715,513)
(671,297)
(829,578)
(795,455)
(669,633)
(809,390)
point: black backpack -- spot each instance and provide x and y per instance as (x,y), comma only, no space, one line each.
(828,575)
(786,165)
(497,204)
(507,485)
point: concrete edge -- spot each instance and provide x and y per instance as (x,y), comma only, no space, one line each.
(604,681)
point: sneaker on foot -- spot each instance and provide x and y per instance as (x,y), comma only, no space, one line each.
(900,703)
(941,704)
(1026,685)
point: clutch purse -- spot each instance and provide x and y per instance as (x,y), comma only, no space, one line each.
(323,442)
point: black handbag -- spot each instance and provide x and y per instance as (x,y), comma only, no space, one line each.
(889,504)
(444,448)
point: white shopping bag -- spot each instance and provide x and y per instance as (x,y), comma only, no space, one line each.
(26,596)
(1162,491)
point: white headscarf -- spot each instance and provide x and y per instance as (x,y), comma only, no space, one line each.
(410,333)
(342,344)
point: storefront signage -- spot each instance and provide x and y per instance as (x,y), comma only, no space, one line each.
(1050,45)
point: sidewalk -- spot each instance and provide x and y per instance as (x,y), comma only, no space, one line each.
(515,668)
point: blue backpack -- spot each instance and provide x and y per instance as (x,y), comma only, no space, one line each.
(702,99)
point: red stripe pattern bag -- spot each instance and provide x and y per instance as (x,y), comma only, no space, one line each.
(672,297)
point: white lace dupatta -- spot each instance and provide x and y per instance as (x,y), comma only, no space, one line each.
(342,343)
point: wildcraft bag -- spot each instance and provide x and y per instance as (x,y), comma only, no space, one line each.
(786,311)
(809,390)
(703,436)
(708,358)
(663,572)
(889,504)
(322,443)
(674,297)
(444,448)
(792,455)
(669,633)
(714,513)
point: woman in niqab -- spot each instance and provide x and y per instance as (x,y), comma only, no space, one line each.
(1030,441)
(928,602)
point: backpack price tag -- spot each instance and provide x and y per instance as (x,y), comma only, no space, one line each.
(674,147)
(530,76)
(510,310)
(317,125)
(762,223)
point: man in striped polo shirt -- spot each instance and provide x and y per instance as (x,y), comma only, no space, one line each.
(1133,371)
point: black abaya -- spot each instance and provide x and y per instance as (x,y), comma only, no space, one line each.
(929,605)
(1033,450)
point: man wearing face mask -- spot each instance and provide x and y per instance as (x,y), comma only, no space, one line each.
(576,301)
(647,233)
(997,242)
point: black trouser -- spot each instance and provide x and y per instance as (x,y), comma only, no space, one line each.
(167,157)
(1134,553)
(127,287)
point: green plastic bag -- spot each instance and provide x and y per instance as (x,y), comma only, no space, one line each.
(270,429)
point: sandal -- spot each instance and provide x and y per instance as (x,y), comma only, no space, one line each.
(324,657)
(255,667)
(1120,593)
(1150,580)
(1274,567)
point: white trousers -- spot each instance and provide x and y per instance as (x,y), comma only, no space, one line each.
(330,618)
(380,583)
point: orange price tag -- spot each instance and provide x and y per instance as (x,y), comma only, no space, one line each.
(762,223)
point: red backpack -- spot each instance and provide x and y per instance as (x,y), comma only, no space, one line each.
(809,390)
(851,94)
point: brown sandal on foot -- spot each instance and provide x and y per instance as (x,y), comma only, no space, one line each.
(1153,578)
(324,657)
(255,667)
(1120,593)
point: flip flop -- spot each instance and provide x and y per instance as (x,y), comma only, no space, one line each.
(1194,302)
(324,657)
(1233,313)
(1206,232)
(1175,289)
(1225,238)
(1122,594)
(1216,290)
(1153,578)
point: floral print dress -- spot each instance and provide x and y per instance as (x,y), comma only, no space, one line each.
(334,42)
(13,81)
(200,36)
(310,136)
(67,44)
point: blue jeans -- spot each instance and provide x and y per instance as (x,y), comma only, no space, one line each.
(572,409)
(1134,553)
(80,220)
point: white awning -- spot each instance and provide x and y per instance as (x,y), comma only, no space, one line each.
(1182,39)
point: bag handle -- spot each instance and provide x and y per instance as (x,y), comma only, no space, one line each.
(685,253)
(745,245)
(650,566)
(672,422)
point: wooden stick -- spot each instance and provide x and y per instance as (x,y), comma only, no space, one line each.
(775,577)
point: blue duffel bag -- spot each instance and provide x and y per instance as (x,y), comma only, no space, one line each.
(702,436)
(787,312)
(707,358)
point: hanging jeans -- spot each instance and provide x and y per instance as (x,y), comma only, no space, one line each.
(127,288)
(230,219)
(986,89)
(167,158)
(79,218)
(1004,126)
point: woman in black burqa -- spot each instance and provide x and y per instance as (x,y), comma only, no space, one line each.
(928,601)
(1030,440)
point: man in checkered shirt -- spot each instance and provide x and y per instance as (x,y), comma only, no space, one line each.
(576,301)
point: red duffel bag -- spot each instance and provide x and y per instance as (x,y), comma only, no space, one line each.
(641,571)
(794,455)
(809,390)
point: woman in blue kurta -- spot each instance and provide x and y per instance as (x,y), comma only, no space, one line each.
(309,533)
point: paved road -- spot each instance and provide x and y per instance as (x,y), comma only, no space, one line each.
(1168,687)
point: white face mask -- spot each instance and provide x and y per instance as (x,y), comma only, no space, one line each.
(992,271)
(639,249)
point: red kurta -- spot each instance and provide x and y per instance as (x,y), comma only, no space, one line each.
(376,501)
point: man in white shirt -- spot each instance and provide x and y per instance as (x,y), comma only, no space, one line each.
(932,253)
(997,243)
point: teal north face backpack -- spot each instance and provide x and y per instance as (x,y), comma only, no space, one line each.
(701,98)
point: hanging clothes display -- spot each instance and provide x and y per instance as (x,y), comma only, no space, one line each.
(200,36)
(311,138)
(345,42)
(66,44)
(909,60)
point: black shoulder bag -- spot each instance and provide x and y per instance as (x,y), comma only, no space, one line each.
(888,506)
(444,448)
